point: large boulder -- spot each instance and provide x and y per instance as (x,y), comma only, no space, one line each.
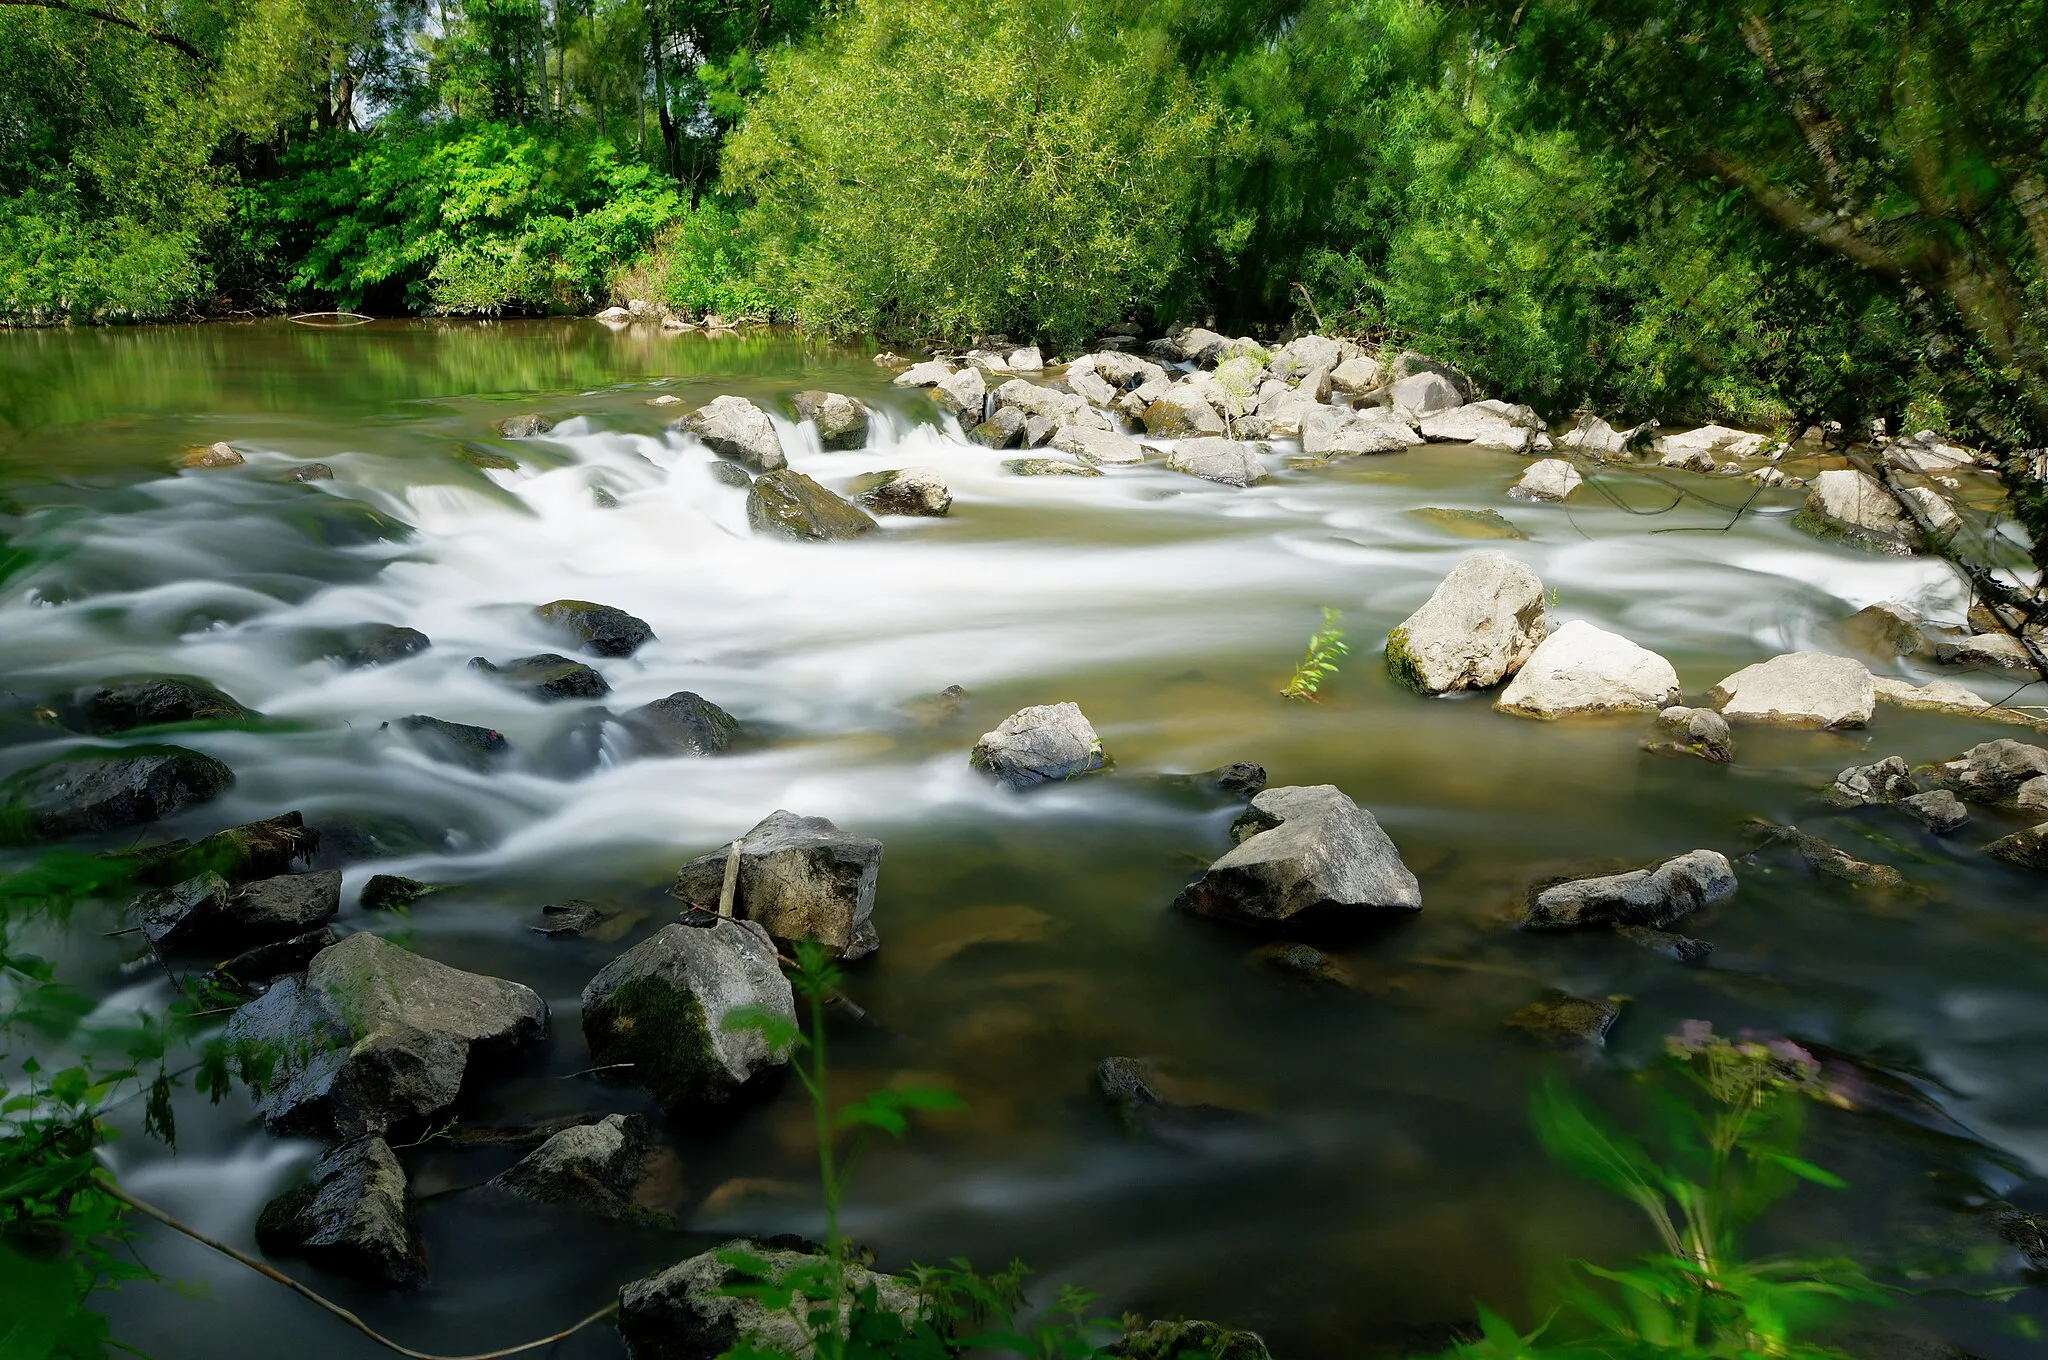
(1798,689)
(597,1166)
(1421,395)
(1121,370)
(1595,436)
(546,676)
(1091,387)
(1305,354)
(1049,467)
(204,913)
(373,1037)
(842,422)
(1711,440)
(1991,772)
(1583,669)
(905,491)
(788,503)
(1006,428)
(683,724)
(1217,460)
(689,1312)
(801,877)
(930,373)
(152,701)
(661,1007)
(1038,745)
(1098,446)
(1546,479)
(1033,400)
(351,1216)
(1307,857)
(1359,374)
(1642,897)
(735,428)
(1182,412)
(598,629)
(1476,423)
(97,791)
(1851,506)
(1478,627)
(962,395)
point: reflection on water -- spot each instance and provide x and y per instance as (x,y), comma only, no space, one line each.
(1377,1176)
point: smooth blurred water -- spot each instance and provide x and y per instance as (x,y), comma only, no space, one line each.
(1382,1177)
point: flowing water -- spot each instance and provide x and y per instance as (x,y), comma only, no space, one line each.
(1379,1176)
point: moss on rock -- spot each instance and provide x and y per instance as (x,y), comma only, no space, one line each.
(660,1029)
(1401,663)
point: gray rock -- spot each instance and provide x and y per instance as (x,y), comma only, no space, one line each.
(800,877)
(392,892)
(1697,731)
(153,701)
(375,1037)
(1468,424)
(1832,860)
(1409,364)
(1040,744)
(735,428)
(274,960)
(1940,517)
(1938,810)
(1238,782)
(455,743)
(1798,689)
(597,1167)
(788,503)
(94,792)
(905,491)
(1595,436)
(683,724)
(1126,371)
(962,396)
(1091,387)
(2032,796)
(1991,772)
(1217,460)
(1048,467)
(1006,429)
(1642,897)
(2000,651)
(351,1216)
(1711,440)
(1886,781)
(204,913)
(1546,479)
(1199,345)
(1360,373)
(1424,394)
(1307,857)
(1562,1021)
(1887,629)
(1851,506)
(842,422)
(1467,523)
(598,629)
(1305,354)
(662,1006)
(1182,412)
(307,472)
(687,1312)
(1098,446)
(1026,359)
(2027,849)
(1580,669)
(546,676)
(1478,627)
(928,374)
(379,644)
(1033,400)
(524,427)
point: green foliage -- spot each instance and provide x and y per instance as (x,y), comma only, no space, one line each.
(1319,662)
(938,168)
(703,262)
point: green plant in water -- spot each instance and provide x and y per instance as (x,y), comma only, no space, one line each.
(1319,662)
(1733,1139)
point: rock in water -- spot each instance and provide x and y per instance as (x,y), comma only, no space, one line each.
(905,491)
(1006,429)
(791,504)
(153,701)
(1188,1337)
(1832,860)
(735,428)
(1217,460)
(1798,689)
(262,849)
(1048,467)
(391,892)
(930,373)
(686,1313)
(1306,857)
(1546,479)
(378,644)
(1562,1021)
(1182,412)
(1851,506)
(86,794)
(593,1166)
(203,913)
(1475,423)
(2028,849)
(801,877)
(547,676)
(1098,446)
(1467,523)
(267,961)
(662,1005)
(1643,897)
(220,454)
(1886,781)
(962,396)
(456,743)
(351,1216)
(375,1037)
(842,422)
(1583,669)
(1991,772)
(599,629)
(1477,628)
(1938,810)
(1038,745)
(683,724)
(1698,731)
(579,918)
(524,427)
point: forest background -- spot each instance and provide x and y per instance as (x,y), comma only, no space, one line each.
(1783,213)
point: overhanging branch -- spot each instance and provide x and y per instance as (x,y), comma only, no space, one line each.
(119,21)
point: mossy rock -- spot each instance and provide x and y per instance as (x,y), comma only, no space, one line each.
(660,1031)
(1401,663)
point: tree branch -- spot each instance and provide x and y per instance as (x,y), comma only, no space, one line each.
(1788,210)
(107,17)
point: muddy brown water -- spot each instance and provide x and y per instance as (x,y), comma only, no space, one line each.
(1378,1177)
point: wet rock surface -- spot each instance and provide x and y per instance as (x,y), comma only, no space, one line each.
(1580,669)
(800,877)
(582,918)
(596,629)
(1654,897)
(380,644)
(905,491)
(1307,857)
(683,724)
(154,701)
(456,743)
(96,792)
(1695,732)
(205,913)
(735,428)
(842,421)
(793,506)
(1560,1020)
(351,1216)
(686,1313)
(1217,460)
(597,1167)
(546,676)
(1042,744)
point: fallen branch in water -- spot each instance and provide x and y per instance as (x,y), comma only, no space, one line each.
(151,1211)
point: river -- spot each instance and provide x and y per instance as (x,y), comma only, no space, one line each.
(1381,1176)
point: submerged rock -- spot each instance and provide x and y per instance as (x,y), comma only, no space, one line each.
(599,629)
(905,491)
(1038,745)
(1830,859)
(1580,669)
(687,1312)
(351,1216)
(1048,467)
(683,724)
(579,918)
(1696,731)
(262,849)
(219,454)
(1217,460)
(791,504)
(2028,849)
(154,701)
(456,743)
(204,913)
(546,676)
(592,1166)
(1642,897)
(1307,857)
(1239,781)
(1678,948)
(1478,627)
(93,792)
(1885,781)
(842,422)
(524,427)
(1467,523)
(375,1037)
(662,1005)
(1853,507)
(1560,1020)
(800,877)
(379,644)
(735,428)
(392,892)
(1798,689)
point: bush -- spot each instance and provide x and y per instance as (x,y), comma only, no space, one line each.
(702,262)
(58,265)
